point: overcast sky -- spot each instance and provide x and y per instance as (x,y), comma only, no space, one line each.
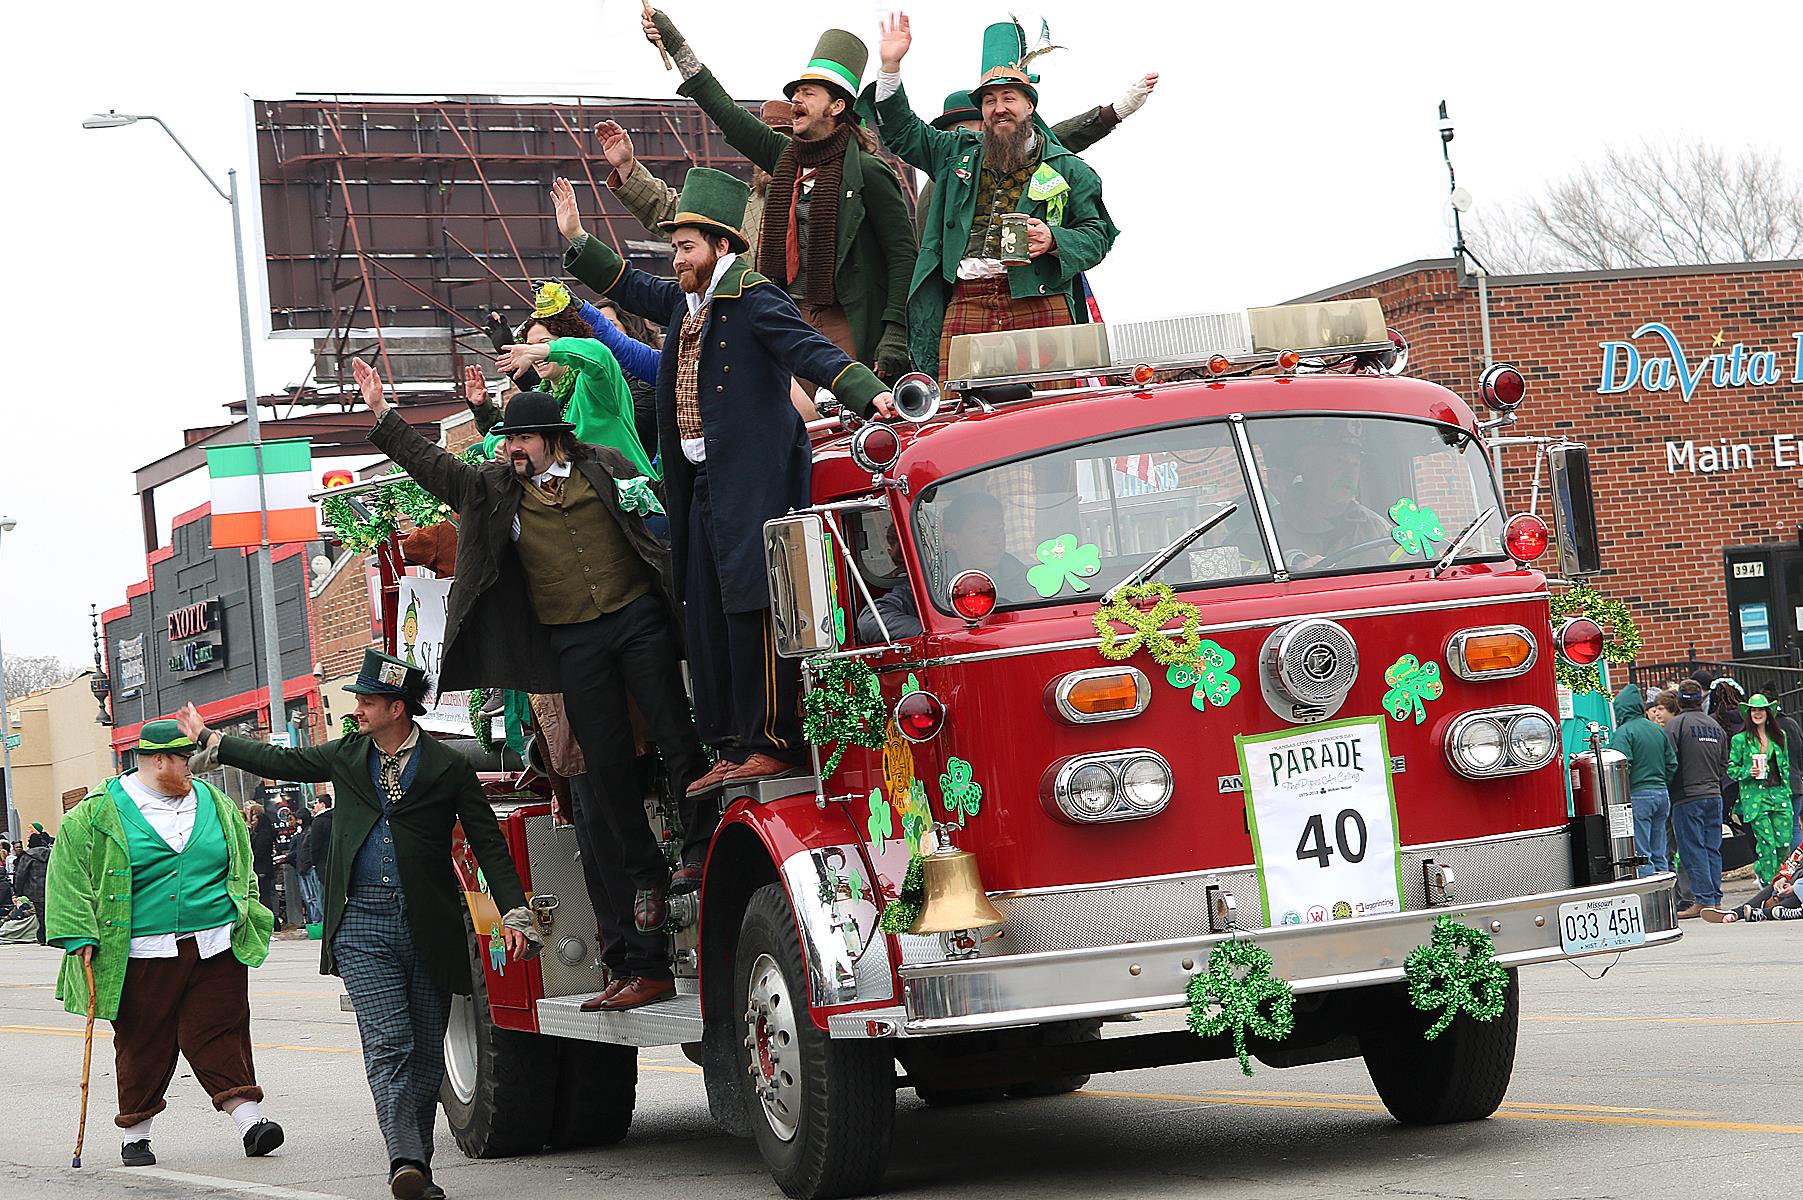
(1289,147)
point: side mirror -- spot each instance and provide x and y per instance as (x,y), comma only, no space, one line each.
(798,553)
(1579,550)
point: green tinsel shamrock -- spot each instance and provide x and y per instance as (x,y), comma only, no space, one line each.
(636,496)
(1411,681)
(958,793)
(1145,626)
(1244,998)
(900,913)
(882,818)
(1062,561)
(1416,527)
(845,708)
(347,726)
(485,730)
(1623,639)
(1209,673)
(1456,970)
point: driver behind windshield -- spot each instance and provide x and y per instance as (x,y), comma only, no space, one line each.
(974,541)
(1314,480)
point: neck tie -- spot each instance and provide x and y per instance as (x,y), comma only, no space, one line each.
(551,486)
(391,780)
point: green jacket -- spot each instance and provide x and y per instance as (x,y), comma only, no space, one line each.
(1075,134)
(1759,796)
(875,241)
(87,898)
(1652,762)
(444,791)
(597,402)
(1081,229)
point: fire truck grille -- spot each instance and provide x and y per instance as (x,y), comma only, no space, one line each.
(1191,339)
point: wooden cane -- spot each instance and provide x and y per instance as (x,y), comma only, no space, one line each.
(662,53)
(87,1062)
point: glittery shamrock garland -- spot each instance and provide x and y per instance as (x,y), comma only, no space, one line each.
(845,707)
(1239,995)
(1622,639)
(485,732)
(900,913)
(347,725)
(387,506)
(1144,626)
(1456,970)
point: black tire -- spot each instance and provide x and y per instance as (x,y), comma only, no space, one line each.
(1460,1076)
(841,1109)
(597,1086)
(507,1100)
(1064,1033)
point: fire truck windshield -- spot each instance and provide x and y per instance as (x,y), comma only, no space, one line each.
(1344,494)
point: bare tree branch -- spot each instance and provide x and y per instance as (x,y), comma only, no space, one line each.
(26,673)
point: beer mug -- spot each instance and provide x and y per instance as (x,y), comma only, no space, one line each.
(1014,240)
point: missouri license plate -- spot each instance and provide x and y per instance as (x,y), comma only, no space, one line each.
(1586,926)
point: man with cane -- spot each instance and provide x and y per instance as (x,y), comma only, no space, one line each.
(152,897)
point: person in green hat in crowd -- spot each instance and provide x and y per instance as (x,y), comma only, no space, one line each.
(961,285)
(735,455)
(395,918)
(151,884)
(1759,759)
(836,234)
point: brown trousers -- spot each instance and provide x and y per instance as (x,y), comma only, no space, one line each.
(829,320)
(199,1007)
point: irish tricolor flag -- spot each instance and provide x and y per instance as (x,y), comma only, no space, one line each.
(287,477)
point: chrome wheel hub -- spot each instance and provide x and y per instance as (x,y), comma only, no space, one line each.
(461,1057)
(772,1054)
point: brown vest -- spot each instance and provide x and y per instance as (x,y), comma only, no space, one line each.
(578,562)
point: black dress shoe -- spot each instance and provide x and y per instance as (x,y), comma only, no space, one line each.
(137,1154)
(261,1138)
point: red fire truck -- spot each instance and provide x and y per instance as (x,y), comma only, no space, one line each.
(1339,726)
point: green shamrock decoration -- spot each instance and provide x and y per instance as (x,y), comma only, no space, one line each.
(1209,673)
(346,726)
(912,686)
(1062,561)
(838,624)
(900,913)
(958,793)
(1411,682)
(845,707)
(1456,970)
(1145,626)
(854,879)
(917,818)
(1239,995)
(1416,527)
(636,496)
(882,818)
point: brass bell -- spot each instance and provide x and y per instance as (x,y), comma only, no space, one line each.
(955,898)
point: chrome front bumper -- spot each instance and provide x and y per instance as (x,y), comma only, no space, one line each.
(1025,989)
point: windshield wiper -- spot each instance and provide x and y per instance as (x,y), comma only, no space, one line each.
(1458,543)
(1157,562)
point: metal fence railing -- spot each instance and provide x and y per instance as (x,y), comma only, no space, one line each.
(1779,677)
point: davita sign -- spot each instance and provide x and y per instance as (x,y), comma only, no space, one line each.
(1660,365)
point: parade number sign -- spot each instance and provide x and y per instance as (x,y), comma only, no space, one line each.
(1323,819)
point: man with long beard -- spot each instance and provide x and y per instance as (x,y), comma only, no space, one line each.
(961,285)
(735,454)
(835,234)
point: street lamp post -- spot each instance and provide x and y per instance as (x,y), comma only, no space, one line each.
(272,650)
(7,525)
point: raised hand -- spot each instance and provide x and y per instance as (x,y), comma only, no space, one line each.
(661,31)
(475,387)
(563,201)
(616,145)
(894,38)
(189,720)
(521,355)
(369,382)
(1136,95)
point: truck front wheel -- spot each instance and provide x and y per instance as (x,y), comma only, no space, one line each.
(494,1092)
(1460,1076)
(822,1111)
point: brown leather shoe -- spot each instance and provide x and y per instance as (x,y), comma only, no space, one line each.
(712,778)
(640,992)
(686,879)
(759,766)
(598,1002)
(650,910)
(1690,911)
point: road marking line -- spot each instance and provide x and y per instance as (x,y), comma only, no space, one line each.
(671,1070)
(1527,1104)
(218,1184)
(1670,1020)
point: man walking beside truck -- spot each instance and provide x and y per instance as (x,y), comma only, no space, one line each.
(1702,750)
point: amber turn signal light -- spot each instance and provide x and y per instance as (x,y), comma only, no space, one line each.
(1497,652)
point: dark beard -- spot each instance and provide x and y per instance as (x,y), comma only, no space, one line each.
(1006,153)
(704,275)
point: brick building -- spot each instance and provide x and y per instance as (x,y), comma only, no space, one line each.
(1687,385)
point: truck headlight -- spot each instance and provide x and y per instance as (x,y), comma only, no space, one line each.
(1121,785)
(1509,740)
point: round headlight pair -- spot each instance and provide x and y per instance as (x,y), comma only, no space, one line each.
(1117,787)
(1503,741)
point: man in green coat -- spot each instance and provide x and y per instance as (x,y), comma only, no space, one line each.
(961,285)
(395,928)
(835,232)
(151,884)
(1652,766)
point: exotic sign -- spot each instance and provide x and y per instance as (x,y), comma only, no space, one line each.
(1662,365)
(197,637)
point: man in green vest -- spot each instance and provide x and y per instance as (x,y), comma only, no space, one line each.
(151,883)
(961,283)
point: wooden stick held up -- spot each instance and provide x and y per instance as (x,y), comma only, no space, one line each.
(662,53)
(87,1062)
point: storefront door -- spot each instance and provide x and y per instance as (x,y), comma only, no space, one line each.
(1765,596)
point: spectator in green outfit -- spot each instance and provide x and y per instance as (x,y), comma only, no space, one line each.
(1652,764)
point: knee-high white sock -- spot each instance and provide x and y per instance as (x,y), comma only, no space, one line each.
(136,1132)
(244,1114)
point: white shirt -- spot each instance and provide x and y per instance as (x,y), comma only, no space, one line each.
(173,820)
(558,471)
(695,449)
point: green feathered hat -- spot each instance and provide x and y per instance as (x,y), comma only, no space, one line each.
(1005,59)
(164,737)
(958,107)
(714,201)
(838,63)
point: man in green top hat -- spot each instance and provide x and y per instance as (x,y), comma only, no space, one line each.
(835,232)
(961,285)
(151,883)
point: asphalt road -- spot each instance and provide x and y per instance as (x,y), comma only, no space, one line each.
(1672,1076)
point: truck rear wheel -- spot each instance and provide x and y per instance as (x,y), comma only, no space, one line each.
(1460,1076)
(822,1111)
(494,1092)
(597,1086)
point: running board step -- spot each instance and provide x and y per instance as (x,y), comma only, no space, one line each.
(669,1022)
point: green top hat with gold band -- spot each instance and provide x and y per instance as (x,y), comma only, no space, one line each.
(958,107)
(713,201)
(164,737)
(838,62)
(392,678)
(1005,60)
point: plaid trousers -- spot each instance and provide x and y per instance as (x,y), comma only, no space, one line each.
(401,1018)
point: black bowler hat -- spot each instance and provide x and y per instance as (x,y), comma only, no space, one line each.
(533,412)
(384,675)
